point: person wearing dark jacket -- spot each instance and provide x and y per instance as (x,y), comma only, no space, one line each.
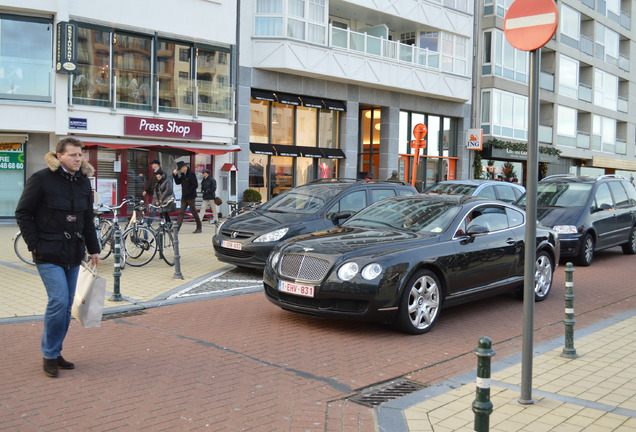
(150,187)
(163,194)
(189,184)
(208,192)
(55,216)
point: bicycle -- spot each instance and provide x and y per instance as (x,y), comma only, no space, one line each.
(140,242)
(106,232)
(21,249)
(165,239)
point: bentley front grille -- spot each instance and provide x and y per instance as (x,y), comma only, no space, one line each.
(304,267)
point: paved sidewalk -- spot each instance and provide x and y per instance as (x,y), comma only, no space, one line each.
(22,294)
(595,392)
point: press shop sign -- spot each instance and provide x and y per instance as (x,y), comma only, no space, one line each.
(145,126)
(66,48)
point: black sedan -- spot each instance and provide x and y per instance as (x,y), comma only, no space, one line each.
(401,259)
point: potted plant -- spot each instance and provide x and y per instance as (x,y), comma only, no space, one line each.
(250,196)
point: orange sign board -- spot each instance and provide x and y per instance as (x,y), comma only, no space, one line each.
(419,131)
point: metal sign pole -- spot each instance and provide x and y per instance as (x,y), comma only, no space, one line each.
(531,229)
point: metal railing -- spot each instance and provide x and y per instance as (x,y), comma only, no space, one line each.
(391,50)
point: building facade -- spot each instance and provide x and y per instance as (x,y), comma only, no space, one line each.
(334,88)
(587,106)
(135,81)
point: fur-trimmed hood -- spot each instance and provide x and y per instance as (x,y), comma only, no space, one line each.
(54,164)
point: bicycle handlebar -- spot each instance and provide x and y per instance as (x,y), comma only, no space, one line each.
(125,201)
(162,205)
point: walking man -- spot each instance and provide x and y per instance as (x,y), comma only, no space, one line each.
(55,216)
(189,184)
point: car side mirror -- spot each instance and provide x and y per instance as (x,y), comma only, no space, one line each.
(341,216)
(476,230)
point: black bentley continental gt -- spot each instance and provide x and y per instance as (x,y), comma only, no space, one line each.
(402,259)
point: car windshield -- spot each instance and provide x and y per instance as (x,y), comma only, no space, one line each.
(412,215)
(561,194)
(452,189)
(304,199)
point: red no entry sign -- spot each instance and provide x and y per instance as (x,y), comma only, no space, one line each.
(530,24)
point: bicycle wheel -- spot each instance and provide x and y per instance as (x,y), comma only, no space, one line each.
(166,246)
(21,249)
(105,233)
(140,245)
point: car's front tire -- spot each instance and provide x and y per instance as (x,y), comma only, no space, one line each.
(543,272)
(629,248)
(420,303)
(586,254)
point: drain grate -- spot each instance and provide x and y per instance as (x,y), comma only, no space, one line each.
(393,390)
(127,314)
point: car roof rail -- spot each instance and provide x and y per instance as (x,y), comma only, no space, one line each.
(331,180)
(604,176)
(558,176)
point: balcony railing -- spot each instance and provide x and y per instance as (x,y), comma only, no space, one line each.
(623,104)
(586,45)
(621,147)
(383,48)
(623,62)
(545,134)
(92,85)
(583,140)
(546,81)
(585,93)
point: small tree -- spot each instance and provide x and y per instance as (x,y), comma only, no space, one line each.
(251,195)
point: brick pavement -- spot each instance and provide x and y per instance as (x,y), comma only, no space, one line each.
(239,363)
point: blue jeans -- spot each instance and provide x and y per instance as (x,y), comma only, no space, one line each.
(60,286)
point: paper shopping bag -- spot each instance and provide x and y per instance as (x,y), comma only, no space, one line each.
(88,305)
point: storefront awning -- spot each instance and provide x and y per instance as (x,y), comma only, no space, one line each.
(283,150)
(333,153)
(313,152)
(203,148)
(297,100)
(335,105)
(312,102)
(263,95)
(264,149)
(288,99)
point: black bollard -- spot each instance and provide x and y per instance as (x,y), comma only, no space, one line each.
(177,256)
(117,268)
(482,407)
(568,350)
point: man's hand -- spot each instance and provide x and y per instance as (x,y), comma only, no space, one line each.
(94,259)
(143,193)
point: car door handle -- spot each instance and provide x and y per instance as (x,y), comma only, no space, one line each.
(511,241)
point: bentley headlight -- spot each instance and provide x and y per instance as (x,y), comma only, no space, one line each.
(348,271)
(565,229)
(271,236)
(371,271)
(273,260)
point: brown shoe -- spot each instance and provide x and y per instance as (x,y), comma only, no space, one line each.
(51,368)
(63,364)
(197,231)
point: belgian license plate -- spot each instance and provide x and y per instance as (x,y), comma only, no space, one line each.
(294,288)
(231,245)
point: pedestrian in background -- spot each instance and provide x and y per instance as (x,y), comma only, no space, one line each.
(55,216)
(163,193)
(150,187)
(394,176)
(208,190)
(189,184)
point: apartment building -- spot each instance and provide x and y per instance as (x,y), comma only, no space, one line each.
(333,88)
(135,80)
(587,92)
